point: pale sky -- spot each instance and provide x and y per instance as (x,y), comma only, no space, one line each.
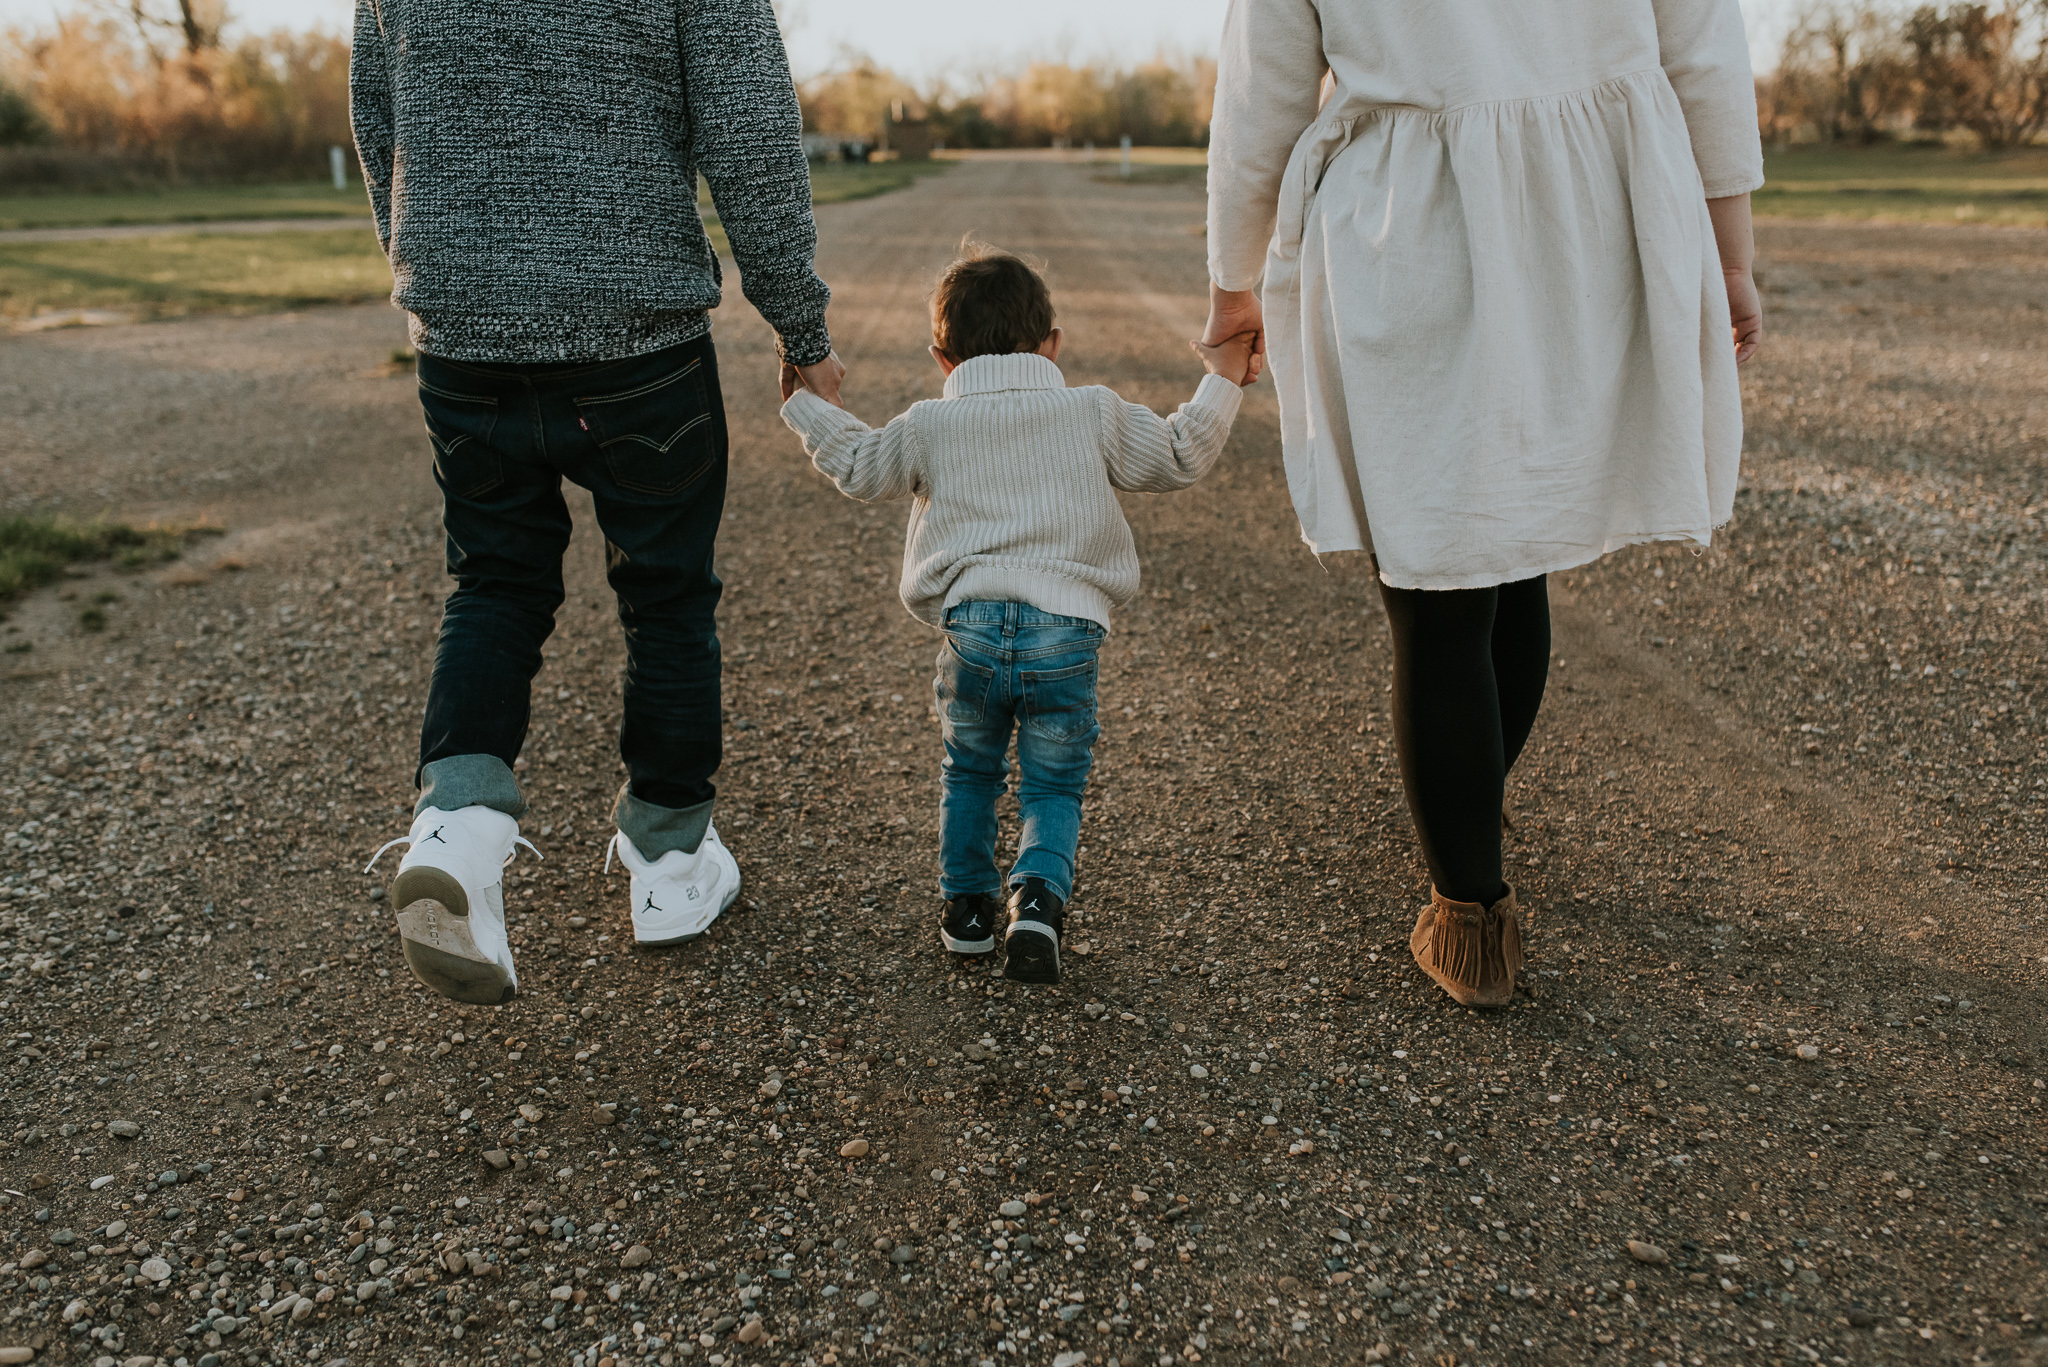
(923,39)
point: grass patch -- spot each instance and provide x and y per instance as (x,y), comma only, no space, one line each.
(177,274)
(196,204)
(36,550)
(184,273)
(1908,183)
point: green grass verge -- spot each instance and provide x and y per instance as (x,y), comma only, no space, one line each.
(199,204)
(175,274)
(184,273)
(35,550)
(1907,183)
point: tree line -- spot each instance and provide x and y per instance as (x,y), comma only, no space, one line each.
(138,91)
(1164,102)
(1863,71)
(118,92)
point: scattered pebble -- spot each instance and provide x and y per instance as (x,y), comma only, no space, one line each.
(854,1148)
(1647,1253)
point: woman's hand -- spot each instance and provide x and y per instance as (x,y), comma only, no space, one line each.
(1233,313)
(1736,243)
(1745,311)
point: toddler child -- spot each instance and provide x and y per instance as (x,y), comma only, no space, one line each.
(1017,550)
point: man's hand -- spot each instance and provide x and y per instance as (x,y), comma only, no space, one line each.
(822,379)
(1236,359)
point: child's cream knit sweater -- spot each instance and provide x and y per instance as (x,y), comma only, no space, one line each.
(1014,477)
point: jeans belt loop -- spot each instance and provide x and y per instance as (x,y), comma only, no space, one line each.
(1011,611)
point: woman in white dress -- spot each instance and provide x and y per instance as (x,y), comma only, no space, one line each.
(1500,254)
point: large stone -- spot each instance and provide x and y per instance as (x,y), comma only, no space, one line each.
(156,1269)
(124,1129)
(639,1255)
(854,1148)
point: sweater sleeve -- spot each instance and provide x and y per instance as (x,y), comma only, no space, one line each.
(1269,76)
(1148,454)
(369,112)
(746,132)
(1705,53)
(866,464)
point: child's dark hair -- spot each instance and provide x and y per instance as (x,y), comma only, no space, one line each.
(989,303)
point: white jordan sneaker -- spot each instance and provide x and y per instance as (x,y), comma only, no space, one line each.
(678,896)
(450,900)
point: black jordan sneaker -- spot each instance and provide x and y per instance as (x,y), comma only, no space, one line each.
(1031,946)
(969,926)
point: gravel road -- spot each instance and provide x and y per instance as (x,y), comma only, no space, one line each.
(1774,1093)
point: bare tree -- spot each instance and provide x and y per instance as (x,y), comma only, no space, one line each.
(1984,68)
(1844,70)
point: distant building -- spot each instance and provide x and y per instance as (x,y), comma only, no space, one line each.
(908,138)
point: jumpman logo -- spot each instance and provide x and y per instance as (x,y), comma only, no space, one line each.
(435,835)
(650,903)
(1032,905)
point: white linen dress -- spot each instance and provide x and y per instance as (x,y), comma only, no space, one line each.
(1494,308)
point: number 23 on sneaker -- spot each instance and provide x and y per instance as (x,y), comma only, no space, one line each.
(678,896)
(450,900)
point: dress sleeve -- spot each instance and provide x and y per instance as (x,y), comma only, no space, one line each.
(1705,53)
(868,464)
(370,117)
(1269,76)
(1148,454)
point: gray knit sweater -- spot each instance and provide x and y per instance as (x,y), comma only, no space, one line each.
(533,167)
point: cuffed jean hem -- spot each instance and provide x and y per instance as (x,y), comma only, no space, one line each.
(655,830)
(469,781)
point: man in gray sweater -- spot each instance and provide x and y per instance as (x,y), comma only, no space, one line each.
(533,168)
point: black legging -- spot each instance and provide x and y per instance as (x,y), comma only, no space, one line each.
(1469,667)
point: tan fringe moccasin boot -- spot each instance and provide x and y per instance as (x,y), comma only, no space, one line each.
(1472,951)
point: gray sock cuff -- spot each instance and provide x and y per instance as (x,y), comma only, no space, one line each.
(655,830)
(470,781)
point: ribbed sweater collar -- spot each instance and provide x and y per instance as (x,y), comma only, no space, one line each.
(994,374)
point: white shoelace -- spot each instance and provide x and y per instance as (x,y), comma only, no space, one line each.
(510,855)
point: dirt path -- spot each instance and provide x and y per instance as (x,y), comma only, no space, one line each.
(1780,828)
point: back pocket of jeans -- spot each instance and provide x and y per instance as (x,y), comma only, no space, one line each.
(1059,704)
(962,687)
(460,426)
(656,437)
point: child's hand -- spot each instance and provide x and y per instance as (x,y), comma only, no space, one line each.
(1237,359)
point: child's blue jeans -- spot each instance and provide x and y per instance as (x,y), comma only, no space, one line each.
(1008,665)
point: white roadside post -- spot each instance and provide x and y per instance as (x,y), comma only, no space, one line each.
(1127,156)
(338,167)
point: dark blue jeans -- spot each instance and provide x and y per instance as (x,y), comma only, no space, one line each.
(646,436)
(1004,666)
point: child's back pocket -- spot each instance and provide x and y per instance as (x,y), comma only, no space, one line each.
(962,687)
(1059,704)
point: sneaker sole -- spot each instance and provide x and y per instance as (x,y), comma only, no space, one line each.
(967,946)
(724,906)
(433,930)
(1031,958)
